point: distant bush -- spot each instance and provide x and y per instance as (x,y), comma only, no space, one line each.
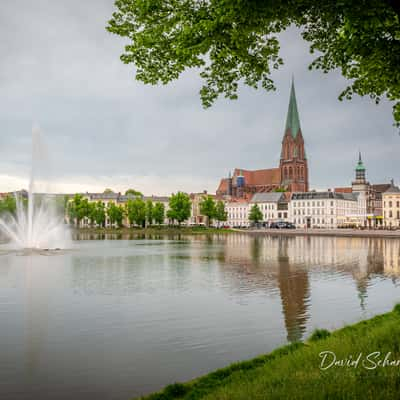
(396,308)
(319,334)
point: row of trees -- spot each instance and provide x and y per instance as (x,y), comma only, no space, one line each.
(136,210)
(143,213)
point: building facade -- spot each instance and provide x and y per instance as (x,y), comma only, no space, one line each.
(292,173)
(326,210)
(237,213)
(273,206)
(391,207)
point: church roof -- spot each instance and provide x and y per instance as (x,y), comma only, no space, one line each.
(223,186)
(292,119)
(260,177)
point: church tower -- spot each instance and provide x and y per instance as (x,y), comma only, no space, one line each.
(293,163)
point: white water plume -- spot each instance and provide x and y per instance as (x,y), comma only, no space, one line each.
(37,223)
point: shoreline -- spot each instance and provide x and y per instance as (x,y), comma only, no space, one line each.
(366,365)
(395,234)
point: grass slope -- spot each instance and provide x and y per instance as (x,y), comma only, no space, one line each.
(293,371)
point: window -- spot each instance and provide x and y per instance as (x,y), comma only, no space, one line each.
(390,204)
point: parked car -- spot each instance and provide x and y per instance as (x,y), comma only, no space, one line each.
(282,225)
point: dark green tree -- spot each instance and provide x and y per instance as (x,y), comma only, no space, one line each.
(136,211)
(133,192)
(78,209)
(99,215)
(179,207)
(234,41)
(149,212)
(115,214)
(108,191)
(207,208)
(220,213)
(159,213)
(255,214)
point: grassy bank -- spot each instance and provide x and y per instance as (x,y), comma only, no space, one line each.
(159,230)
(293,371)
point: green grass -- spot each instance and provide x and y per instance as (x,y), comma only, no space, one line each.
(293,371)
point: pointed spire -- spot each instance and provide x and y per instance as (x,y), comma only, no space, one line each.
(292,119)
(360,165)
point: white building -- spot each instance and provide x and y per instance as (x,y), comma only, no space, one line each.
(323,209)
(391,207)
(238,213)
(272,206)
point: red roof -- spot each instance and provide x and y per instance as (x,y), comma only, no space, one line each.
(260,177)
(223,186)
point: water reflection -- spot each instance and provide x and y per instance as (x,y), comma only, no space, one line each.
(161,310)
(279,266)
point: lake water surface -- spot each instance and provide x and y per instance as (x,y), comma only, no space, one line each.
(113,319)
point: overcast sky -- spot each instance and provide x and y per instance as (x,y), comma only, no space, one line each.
(60,68)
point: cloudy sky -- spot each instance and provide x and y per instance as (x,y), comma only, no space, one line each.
(60,69)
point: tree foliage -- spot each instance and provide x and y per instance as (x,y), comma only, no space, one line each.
(220,213)
(133,192)
(179,207)
(136,211)
(149,212)
(115,214)
(78,209)
(98,213)
(208,208)
(159,213)
(8,205)
(255,214)
(232,41)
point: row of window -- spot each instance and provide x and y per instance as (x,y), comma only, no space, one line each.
(391,214)
(313,203)
(391,204)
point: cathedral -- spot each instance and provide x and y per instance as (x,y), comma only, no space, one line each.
(292,173)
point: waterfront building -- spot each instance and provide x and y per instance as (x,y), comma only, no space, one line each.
(238,213)
(322,209)
(291,174)
(391,206)
(196,217)
(369,198)
(273,206)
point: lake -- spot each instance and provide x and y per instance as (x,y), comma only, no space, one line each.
(115,317)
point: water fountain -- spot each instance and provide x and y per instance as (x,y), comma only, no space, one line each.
(37,224)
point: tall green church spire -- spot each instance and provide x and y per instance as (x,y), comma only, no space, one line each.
(292,119)
(360,165)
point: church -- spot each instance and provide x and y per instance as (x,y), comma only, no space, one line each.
(292,173)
